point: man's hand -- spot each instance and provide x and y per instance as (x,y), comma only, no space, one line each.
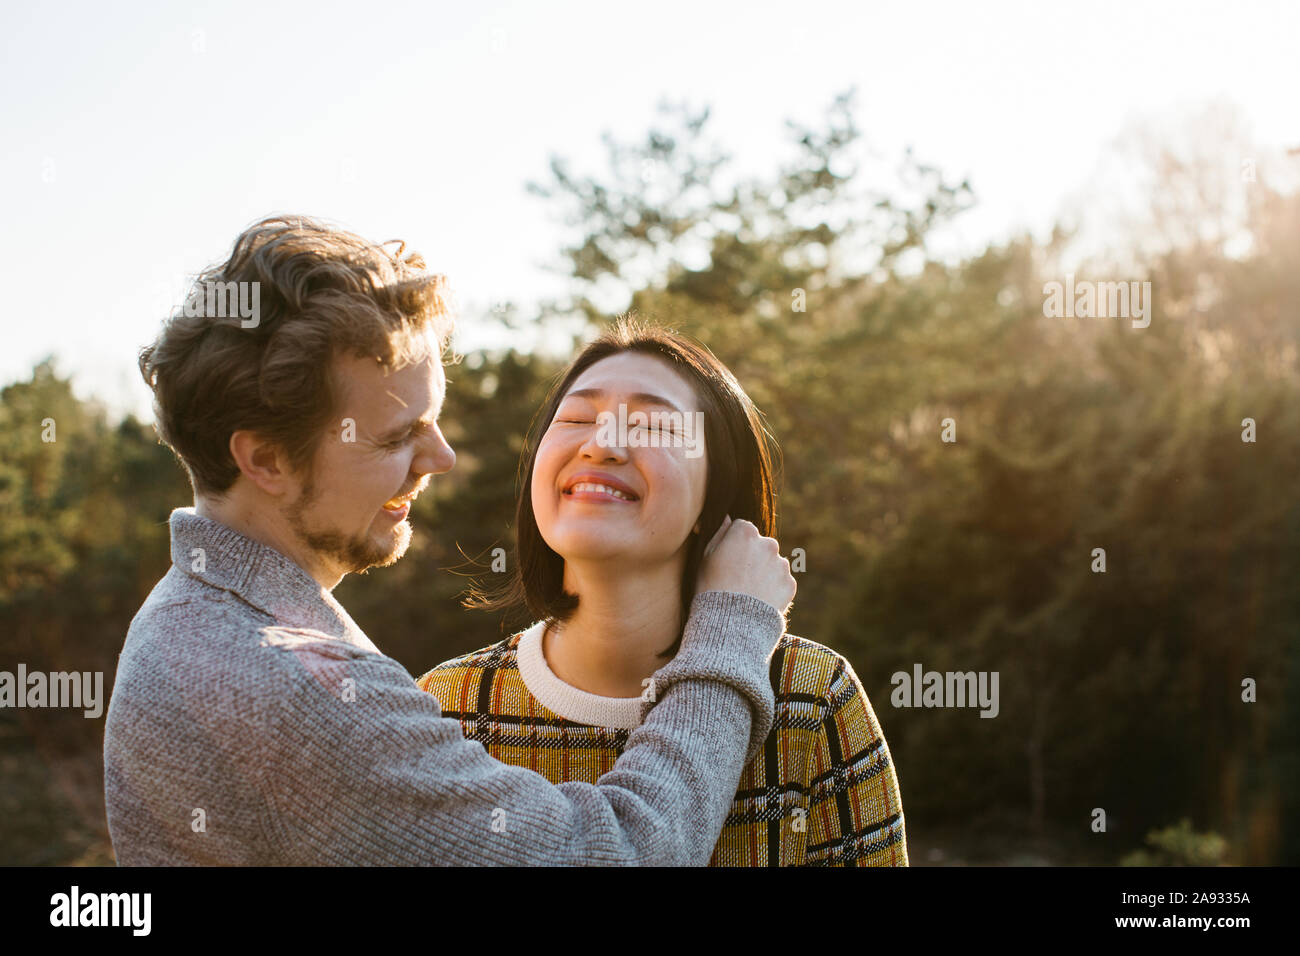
(740,559)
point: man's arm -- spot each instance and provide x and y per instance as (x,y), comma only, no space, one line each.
(369,772)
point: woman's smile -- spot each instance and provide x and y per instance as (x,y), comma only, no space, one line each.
(590,492)
(598,487)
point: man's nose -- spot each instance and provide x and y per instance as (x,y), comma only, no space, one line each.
(436,456)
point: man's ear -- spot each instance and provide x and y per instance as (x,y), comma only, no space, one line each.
(262,463)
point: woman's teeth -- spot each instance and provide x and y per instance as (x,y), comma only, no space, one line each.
(592,486)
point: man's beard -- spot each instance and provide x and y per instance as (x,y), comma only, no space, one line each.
(355,554)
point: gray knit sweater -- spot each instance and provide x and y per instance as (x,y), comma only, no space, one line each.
(253,723)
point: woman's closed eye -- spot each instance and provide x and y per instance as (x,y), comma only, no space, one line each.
(654,427)
(651,426)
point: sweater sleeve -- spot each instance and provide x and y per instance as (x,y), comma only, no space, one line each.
(854,807)
(363,769)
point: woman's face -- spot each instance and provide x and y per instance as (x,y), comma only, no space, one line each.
(652,496)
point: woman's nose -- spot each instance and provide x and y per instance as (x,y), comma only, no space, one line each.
(602,444)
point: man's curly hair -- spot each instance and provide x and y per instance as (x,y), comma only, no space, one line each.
(322,293)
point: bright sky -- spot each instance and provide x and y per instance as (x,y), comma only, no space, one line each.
(140,139)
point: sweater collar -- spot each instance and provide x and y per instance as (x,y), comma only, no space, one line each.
(565,700)
(219,556)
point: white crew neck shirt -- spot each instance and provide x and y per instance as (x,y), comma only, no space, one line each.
(565,700)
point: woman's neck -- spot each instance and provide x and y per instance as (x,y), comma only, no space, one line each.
(611,644)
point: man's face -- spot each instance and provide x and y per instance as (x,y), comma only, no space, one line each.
(351,512)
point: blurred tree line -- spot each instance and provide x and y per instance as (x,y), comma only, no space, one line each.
(1121,690)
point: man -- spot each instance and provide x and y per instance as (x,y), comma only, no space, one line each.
(252,722)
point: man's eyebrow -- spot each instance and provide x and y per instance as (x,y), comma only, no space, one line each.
(427,420)
(637,398)
(399,430)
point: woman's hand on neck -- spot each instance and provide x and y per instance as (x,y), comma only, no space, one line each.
(625,617)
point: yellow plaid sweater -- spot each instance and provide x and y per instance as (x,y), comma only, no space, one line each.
(822,793)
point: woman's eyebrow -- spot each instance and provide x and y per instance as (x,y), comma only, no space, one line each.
(637,398)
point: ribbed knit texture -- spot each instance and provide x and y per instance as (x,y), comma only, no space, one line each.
(822,792)
(252,722)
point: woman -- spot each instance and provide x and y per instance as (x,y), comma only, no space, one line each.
(647,444)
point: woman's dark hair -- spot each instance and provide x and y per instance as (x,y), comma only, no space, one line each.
(740,478)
